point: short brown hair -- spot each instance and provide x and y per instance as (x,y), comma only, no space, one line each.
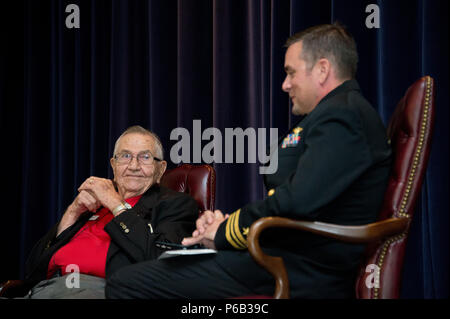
(330,41)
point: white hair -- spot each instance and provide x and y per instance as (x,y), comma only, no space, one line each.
(140,130)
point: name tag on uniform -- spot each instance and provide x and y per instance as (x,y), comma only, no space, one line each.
(292,139)
(94,217)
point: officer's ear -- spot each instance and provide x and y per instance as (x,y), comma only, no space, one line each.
(322,70)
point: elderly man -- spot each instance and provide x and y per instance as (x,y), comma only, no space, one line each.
(111,224)
(333,167)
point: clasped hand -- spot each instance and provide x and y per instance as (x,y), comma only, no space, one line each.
(94,193)
(207,226)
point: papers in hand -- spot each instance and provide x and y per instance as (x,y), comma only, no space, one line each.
(186,252)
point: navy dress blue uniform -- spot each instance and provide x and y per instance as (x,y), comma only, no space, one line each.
(333,166)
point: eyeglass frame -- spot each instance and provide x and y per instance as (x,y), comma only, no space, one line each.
(137,157)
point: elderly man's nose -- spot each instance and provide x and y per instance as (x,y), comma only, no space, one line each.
(134,163)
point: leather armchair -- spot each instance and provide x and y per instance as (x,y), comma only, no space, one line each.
(199,181)
(410,131)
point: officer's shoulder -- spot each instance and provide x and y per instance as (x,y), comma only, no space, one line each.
(340,109)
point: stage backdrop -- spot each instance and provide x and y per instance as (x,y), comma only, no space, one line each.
(67,93)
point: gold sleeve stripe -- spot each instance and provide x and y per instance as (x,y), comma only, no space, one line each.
(233,236)
(235,231)
(240,238)
(228,232)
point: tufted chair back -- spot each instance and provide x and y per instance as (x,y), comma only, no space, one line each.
(409,130)
(199,181)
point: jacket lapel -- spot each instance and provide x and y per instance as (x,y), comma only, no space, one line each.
(144,208)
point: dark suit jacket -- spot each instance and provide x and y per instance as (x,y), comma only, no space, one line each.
(161,214)
(337,173)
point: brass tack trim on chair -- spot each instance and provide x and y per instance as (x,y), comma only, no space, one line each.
(418,151)
(381,259)
(412,175)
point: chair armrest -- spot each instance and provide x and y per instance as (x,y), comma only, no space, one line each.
(352,234)
(13,288)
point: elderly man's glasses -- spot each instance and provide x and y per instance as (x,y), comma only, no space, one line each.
(142,158)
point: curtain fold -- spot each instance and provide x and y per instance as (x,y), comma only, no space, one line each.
(67,94)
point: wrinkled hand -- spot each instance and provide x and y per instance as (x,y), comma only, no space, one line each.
(103,191)
(84,202)
(207,226)
(94,192)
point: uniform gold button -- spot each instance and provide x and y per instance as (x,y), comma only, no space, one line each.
(127,230)
(271,192)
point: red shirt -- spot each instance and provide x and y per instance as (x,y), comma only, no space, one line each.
(88,247)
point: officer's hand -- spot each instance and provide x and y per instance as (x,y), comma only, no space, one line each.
(207,226)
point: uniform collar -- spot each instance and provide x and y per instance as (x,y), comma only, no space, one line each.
(346,86)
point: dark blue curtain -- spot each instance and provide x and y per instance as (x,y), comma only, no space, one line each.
(67,94)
